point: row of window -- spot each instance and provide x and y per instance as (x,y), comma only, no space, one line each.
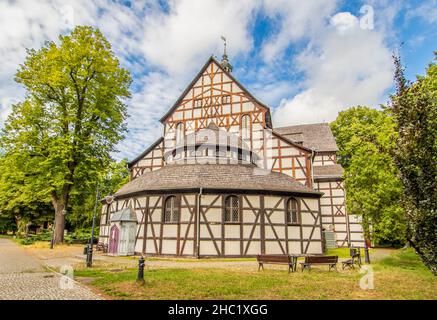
(231,210)
(199,103)
(199,152)
(245,129)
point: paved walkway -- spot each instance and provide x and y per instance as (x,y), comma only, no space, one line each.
(23,277)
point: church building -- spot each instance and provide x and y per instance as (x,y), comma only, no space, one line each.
(222,181)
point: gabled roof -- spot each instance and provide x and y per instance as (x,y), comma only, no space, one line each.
(224,177)
(317,136)
(328,171)
(293,143)
(212,59)
(143,154)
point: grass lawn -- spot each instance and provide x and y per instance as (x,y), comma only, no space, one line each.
(400,275)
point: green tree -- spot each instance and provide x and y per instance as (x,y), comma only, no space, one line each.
(17,208)
(113,177)
(365,139)
(62,134)
(414,108)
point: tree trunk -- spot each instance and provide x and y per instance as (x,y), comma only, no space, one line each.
(60,204)
(58,236)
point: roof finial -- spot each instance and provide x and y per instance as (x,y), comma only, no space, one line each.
(224,44)
(225,62)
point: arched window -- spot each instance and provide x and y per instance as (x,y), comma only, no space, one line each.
(232,209)
(292,211)
(245,126)
(171,210)
(179,132)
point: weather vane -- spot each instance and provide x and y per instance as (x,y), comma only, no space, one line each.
(224,40)
(225,62)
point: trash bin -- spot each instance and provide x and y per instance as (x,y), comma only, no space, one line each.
(85,250)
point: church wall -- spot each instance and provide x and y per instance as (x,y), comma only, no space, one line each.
(325,158)
(334,215)
(286,158)
(262,227)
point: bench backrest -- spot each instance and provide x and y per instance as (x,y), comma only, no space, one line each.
(321,259)
(274,258)
(355,252)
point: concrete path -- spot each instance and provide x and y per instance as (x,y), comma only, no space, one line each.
(23,277)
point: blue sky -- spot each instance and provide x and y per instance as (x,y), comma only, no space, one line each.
(307,60)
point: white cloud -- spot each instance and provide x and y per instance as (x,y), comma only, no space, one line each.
(344,66)
(179,40)
(146,107)
(142,35)
(344,21)
(426,11)
(296,20)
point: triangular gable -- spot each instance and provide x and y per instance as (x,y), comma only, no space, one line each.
(215,65)
(145,152)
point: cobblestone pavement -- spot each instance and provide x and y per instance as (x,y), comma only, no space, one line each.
(22,277)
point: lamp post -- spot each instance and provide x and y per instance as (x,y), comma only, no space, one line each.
(89,252)
(366,252)
(89,257)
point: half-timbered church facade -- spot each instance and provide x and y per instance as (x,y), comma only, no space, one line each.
(223,182)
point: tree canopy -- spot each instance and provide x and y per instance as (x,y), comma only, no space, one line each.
(61,136)
(414,109)
(365,138)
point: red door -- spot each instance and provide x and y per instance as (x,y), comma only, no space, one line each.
(113,240)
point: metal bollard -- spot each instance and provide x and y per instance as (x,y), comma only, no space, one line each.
(366,252)
(89,256)
(140,276)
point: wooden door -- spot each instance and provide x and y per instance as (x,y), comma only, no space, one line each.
(122,247)
(113,240)
(131,239)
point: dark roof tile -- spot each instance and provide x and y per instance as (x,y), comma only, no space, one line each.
(214,176)
(316,136)
(334,170)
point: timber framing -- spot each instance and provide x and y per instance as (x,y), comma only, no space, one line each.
(196,78)
(261,226)
(265,169)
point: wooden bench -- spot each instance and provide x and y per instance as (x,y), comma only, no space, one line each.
(277,259)
(355,259)
(331,261)
(102,247)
